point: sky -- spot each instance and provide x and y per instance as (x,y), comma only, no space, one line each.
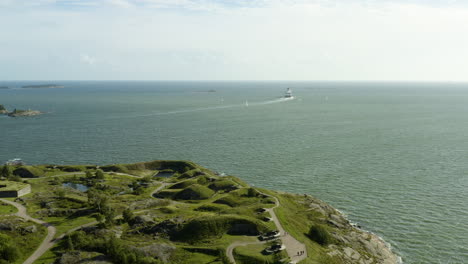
(373,40)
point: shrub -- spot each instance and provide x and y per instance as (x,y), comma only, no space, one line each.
(251,192)
(6,171)
(320,234)
(8,251)
(99,175)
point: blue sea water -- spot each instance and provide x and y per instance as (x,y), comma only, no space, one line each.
(392,156)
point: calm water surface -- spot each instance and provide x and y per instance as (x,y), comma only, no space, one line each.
(394,156)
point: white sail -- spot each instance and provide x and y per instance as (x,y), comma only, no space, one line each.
(288,93)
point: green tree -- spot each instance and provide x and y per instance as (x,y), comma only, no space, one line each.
(70,245)
(6,171)
(99,217)
(97,200)
(8,252)
(128,216)
(109,214)
(320,234)
(99,175)
(60,193)
(88,174)
(251,192)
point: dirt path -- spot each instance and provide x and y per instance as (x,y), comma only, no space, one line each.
(48,241)
(163,185)
(293,246)
(230,248)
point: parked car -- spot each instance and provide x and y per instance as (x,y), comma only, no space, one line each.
(269,235)
(275,248)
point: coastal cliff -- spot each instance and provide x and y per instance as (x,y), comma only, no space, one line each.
(180,212)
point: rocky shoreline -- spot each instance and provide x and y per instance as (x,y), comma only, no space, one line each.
(19,113)
(355,245)
(194,208)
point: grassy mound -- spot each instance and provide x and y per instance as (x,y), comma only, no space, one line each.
(115,168)
(216,227)
(174,165)
(253,254)
(190,174)
(212,208)
(167,193)
(183,185)
(75,168)
(222,185)
(28,172)
(194,192)
(228,200)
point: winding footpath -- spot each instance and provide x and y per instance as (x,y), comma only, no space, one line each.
(293,246)
(48,241)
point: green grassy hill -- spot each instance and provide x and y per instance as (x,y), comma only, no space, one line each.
(190,216)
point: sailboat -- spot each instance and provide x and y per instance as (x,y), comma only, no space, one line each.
(288,94)
(246,103)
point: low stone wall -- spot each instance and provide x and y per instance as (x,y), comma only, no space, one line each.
(24,191)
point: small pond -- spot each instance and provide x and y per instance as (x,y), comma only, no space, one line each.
(77,186)
(164,174)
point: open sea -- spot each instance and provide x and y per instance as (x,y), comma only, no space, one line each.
(392,156)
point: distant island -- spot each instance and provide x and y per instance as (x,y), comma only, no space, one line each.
(4,87)
(206,91)
(43,86)
(19,112)
(169,212)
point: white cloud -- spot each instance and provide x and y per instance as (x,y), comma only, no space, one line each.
(119,3)
(303,40)
(86,59)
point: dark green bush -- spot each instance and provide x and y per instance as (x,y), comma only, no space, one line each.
(320,234)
